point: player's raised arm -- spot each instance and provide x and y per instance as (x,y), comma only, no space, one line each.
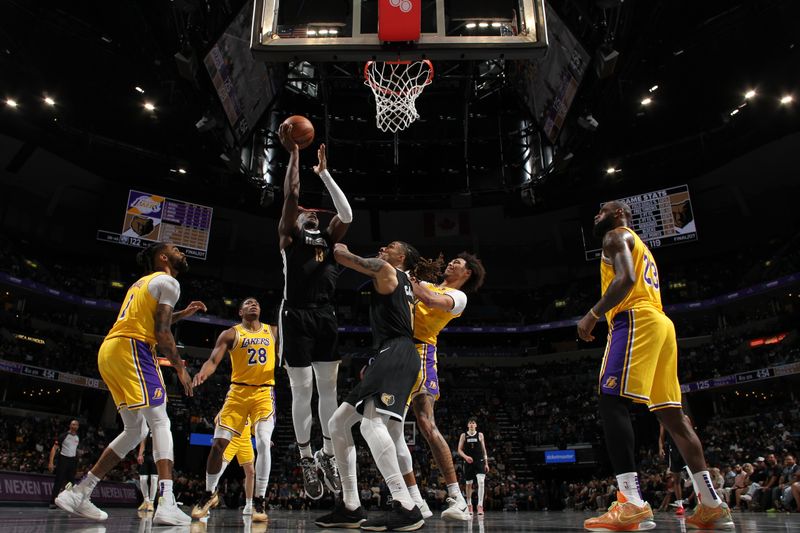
(291,187)
(224,344)
(190,309)
(432,299)
(383,274)
(344,213)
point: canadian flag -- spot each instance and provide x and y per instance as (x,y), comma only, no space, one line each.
(446,223)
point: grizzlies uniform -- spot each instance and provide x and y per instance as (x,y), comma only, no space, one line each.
(641,357)
(240,447)
(127,358)
(252,392)
(394,372)
(472,447)
(307,320)
(428,322)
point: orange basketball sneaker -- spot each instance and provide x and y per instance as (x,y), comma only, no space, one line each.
(705,517)
(623,516)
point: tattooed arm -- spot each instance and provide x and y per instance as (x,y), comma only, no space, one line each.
(166,345)
(383,275)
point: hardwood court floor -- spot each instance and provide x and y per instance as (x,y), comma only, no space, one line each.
(42,520)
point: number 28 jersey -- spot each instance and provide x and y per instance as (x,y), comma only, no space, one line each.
(646,289)
(253,356)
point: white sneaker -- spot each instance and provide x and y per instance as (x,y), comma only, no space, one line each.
(425,510)
(456,510)
(248,509)
(75,502)
(169,514)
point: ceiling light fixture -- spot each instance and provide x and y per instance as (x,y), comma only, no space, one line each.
(11,103)
(654,88)
(49,101)
(612,170)
(149,106)
(787,99)
(734,111)
(471,25)
(139,89)
(749,94)
(483,24)
(181,170)
(312,33)
(647,101)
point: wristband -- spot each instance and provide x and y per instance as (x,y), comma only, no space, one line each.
(595,315)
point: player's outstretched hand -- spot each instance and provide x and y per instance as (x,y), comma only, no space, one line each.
(199,379)
(585,327)
(186,381)
(323,160)
(285,135)
(194,307)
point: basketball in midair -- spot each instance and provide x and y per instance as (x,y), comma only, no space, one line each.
(302,130)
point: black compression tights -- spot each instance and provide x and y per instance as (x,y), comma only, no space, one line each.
(619,433)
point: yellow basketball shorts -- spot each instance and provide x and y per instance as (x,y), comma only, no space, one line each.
(428,380)
(242,401)
(130,369)
(240,447)
(641,359)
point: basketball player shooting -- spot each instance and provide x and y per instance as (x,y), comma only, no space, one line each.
(307,321)
(640,365)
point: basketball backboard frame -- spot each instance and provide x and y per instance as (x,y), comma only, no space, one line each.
(529,43)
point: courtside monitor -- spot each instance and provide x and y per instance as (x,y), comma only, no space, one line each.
(386,30)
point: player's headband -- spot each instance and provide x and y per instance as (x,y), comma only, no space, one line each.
(301,209)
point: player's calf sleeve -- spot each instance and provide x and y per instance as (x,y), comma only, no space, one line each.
(134,432)
(263,430)
(301,381)
(618,432)
(160,428)
(403,454)
(340,427)
(326,374)
(481,487)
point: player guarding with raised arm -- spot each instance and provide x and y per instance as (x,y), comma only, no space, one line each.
(640,365)
(128,365)
(379,400)
(251,345)
(307,321)
(437,305)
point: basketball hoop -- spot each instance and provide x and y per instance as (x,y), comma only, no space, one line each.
(396,86)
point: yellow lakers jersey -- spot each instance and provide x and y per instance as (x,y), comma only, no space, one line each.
(646,289)
(428,322)
(253,356)
(136,318)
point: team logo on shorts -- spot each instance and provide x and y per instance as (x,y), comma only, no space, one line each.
(158,394)
(432,385)
(387,399)
(611,383)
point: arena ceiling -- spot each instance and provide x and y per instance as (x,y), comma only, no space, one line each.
(703,56)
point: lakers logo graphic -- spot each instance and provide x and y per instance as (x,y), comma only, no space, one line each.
(387,399)
(432,385)
(611,383)
(158,394)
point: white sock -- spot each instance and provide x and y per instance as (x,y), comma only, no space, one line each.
(248,502)
(397,486)
(166,490)
(88,484)
(454,491)
(629,485)
(413,490)
(144,487)
(219,474)
(153,487)
(704,488)
(350,496)
(211,481)
(305,451)
(327,447)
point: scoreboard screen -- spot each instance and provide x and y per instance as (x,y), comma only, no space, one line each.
(151,218)
(660,218)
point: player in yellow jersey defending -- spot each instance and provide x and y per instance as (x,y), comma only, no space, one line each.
(436,306)
(241,448)
(640,365)
(128,365)
(251,345)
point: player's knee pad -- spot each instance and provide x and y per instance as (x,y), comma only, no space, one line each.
(160,427)
(481,478)
(326,374)
(301,377)
(263,432)
(134,432)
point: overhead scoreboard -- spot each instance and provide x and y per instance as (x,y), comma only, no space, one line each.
(152,218)
(660,218)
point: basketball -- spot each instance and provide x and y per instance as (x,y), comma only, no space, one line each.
(302,130)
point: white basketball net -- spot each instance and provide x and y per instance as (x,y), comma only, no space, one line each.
(396,86)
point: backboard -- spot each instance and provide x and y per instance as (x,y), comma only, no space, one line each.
(347,30)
